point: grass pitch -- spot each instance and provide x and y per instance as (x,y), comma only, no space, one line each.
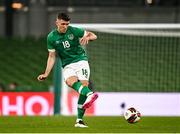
(62,124)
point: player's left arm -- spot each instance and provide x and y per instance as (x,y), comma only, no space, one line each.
(88,36)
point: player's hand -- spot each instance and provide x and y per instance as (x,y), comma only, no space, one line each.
(42,77)
(84,40)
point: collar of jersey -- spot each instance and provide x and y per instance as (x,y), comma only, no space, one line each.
(61,33)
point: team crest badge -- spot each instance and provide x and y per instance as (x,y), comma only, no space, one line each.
(71,36)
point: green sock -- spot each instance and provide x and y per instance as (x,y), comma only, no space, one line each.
(82,90)
(81,111)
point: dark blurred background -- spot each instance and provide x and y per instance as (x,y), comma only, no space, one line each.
(36,17)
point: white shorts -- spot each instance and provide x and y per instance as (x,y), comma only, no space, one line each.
(79,69)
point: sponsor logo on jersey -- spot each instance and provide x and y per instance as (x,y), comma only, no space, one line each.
(71,36)
(57,42)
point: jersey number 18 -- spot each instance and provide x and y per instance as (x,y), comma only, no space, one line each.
(66,44)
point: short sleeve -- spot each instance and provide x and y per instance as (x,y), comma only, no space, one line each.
(79,32)
(50,46)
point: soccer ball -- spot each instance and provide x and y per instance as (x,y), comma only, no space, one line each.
(132,115)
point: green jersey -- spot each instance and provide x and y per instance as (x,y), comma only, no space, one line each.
(67,45)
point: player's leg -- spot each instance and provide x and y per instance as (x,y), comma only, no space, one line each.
(83,75)
(80,71)
(81,100)
(80,109)
(71,80)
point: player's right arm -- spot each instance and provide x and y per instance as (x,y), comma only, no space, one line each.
(49,66)
(51,58)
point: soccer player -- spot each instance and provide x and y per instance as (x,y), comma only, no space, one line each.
(67,42)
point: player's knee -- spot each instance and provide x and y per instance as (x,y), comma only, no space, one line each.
(71,80)
(85,83)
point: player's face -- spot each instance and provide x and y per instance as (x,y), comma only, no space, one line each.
(62,25)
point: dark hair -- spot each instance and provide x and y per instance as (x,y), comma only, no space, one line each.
(63,16)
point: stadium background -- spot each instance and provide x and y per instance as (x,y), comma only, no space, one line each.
(119,63)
